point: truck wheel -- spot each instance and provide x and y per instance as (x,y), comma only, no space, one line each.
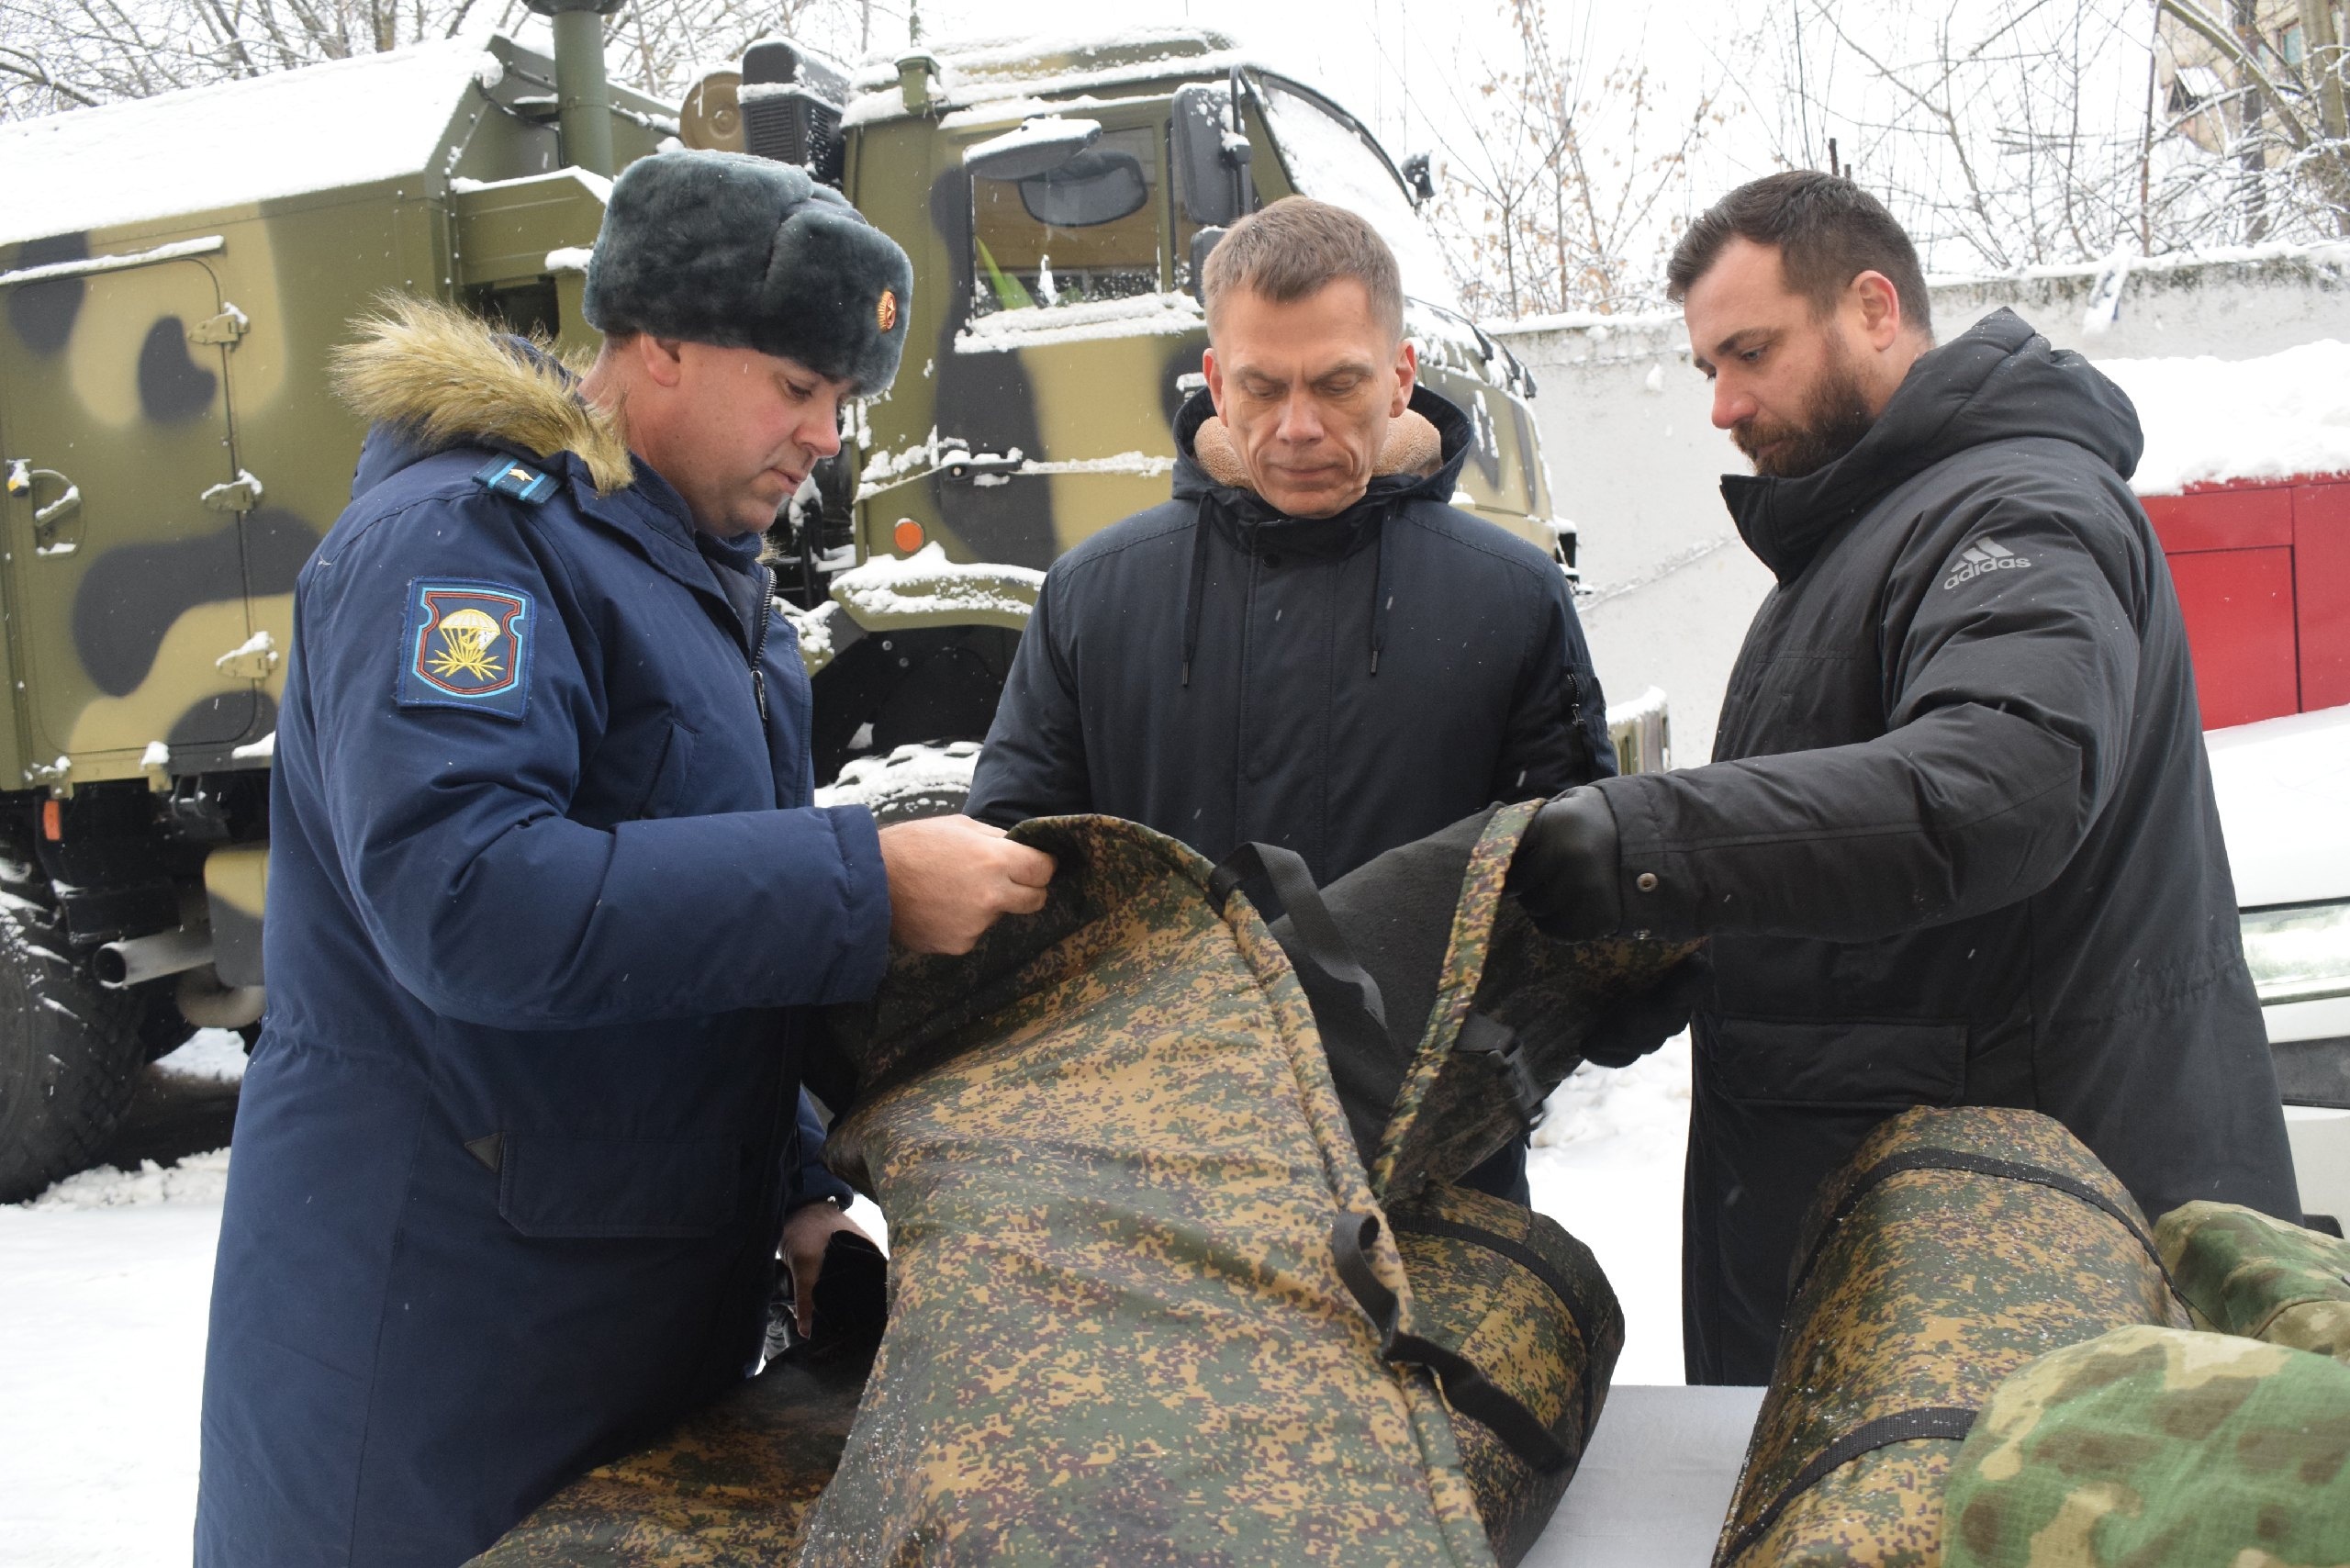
(71,1053)
(932,779)
(925,684)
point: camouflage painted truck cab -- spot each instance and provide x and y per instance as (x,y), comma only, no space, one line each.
(172,275)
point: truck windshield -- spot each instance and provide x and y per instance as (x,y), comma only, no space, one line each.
(1086,231)
(1329,160)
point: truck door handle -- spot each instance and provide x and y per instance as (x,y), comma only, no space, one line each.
(962,466)
(241,494)
(23,477)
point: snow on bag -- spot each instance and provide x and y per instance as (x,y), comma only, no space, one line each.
(1151,1302)
(1953,1248)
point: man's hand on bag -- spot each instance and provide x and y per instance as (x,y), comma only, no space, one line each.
(1632,1027)
(951,878)
(806,1234)
(1566,868)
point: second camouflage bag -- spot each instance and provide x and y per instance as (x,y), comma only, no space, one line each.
(1950,1249)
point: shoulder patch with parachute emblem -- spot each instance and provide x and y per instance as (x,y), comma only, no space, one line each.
(467,644)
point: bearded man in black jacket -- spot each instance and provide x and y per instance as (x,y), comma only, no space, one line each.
(1307,647)
(1958,843)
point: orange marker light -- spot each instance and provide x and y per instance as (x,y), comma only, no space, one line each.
(908,536)
(52,820)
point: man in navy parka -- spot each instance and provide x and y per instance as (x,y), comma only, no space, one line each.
(523,1128)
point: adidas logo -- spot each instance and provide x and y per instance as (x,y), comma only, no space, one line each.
(1985,556)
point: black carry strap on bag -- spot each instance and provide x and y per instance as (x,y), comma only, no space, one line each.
(1367,1065)
(1352,1018)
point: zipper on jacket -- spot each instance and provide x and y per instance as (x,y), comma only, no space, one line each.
(759,641)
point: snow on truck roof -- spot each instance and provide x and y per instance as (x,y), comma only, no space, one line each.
(347,122)
(1024,57)
(984,70)
(2212,421)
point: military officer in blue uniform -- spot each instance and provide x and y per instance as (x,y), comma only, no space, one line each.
(549,897)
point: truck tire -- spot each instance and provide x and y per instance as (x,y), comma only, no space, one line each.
(71,1054)
(932,779)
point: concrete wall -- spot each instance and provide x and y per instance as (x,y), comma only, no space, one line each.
(1635,459)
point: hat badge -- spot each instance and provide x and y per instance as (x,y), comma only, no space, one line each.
(885,309)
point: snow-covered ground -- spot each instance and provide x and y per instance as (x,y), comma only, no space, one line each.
(104,1281)
(104,1278)
(1607,1164)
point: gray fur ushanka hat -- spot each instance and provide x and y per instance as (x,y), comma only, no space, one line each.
(749,253)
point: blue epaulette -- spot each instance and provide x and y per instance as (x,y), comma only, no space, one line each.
(520,481)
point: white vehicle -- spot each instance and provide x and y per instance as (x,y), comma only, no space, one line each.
(2284,788)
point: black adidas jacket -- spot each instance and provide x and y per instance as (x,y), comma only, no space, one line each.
(1958,843)
(1355,682)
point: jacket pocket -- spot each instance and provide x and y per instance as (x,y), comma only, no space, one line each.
(551,1185)
(1889,1063)
(669,774)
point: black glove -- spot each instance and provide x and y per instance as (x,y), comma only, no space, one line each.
(1566,868)
(1630,1028)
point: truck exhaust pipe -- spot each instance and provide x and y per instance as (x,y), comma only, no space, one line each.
(583,97)
(138,959)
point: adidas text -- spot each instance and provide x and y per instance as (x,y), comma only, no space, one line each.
(1985,556)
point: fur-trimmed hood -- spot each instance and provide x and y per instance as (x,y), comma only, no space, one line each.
(439,378)
(1422,457)
(1413,447)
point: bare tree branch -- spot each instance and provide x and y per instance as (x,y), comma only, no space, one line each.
(1554,176)
(2201,23)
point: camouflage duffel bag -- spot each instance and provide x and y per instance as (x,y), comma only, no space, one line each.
(2158,1448)
(1150,1300)
(1519,1298)
(1478,1017)
(1953,1248)
(2243,1273)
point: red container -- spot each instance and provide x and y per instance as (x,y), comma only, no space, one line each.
(2263,571)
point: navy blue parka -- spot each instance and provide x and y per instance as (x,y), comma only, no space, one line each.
(547,892)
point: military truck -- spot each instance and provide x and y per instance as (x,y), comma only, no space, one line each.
(173,271)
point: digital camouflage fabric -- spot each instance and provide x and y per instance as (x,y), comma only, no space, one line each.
(1117,1330)
(1484,1015)
(2158,1448)
(1526,1303)
(1484,1018)
(1458,1105)
(731,1484)
(1113,1160)
(2244,1272)
(1953,1248)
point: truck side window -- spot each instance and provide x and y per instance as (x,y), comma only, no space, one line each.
(1086,231)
